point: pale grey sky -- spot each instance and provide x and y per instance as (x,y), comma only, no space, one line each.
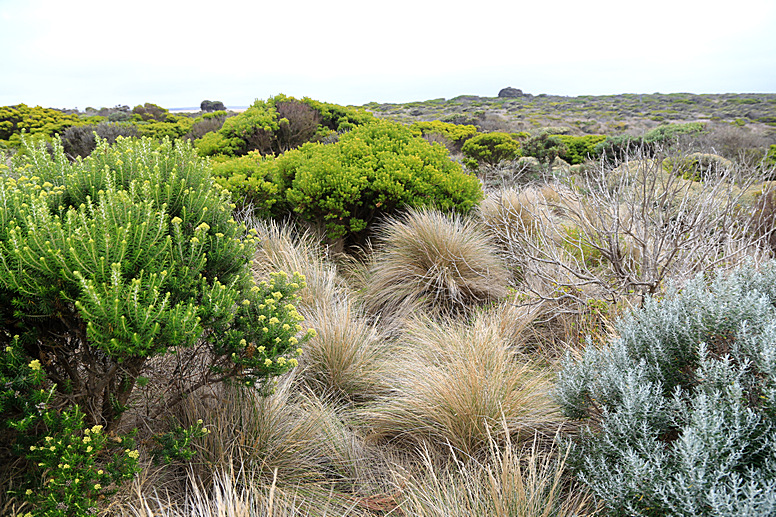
(97,53)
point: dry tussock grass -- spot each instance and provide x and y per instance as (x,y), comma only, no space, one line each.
(439,262)
(281,249)
(452,381)
(527,481)
(347,359)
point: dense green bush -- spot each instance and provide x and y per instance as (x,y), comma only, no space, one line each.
(616,148)
(456,134)
(544,146)
(150,112)
(697,166)
(35,121)
(578,149)
(490,149)
(371,171)
(679,411)
(770,156)
(250,184)
(105,264)
(124,256)
(207,123)
(207,105)
(173,127)
(277,125)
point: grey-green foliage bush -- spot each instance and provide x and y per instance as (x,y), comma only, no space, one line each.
(81,140)
(679,411)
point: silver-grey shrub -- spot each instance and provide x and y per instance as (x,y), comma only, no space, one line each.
(679,411)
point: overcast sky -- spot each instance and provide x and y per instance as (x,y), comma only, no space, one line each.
(101,53)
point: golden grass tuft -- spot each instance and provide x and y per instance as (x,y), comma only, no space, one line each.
(435,261)
(511,481)
(346,360)
(280,249)
(453,381)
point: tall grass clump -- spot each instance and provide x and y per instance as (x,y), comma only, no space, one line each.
(439,262)
(348,357)
(680,410)
(239,494)
(282,248)
(511,480)
(453,382)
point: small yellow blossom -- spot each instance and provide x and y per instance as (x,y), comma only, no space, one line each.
(281,361)
(293,363)
(97,486)
(34,364)
(268,362)
(265,329)
(100,472)
(261,349)
(28,492)
(97,428)
(134,454)
(292,340)
(286,327)
(274,321)
(89,449)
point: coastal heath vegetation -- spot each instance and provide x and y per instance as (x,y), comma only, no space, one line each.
(480,338)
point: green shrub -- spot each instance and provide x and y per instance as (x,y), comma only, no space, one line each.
(668,133)
(150,112)
(172,127)
(770,156)
(207,123)
(278,124)
(127,255)
(679,411)
(578,149)
(209,106)
(249,183)
(456,134)
(371,171)
(490,149)
(35,121)
(544,147)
